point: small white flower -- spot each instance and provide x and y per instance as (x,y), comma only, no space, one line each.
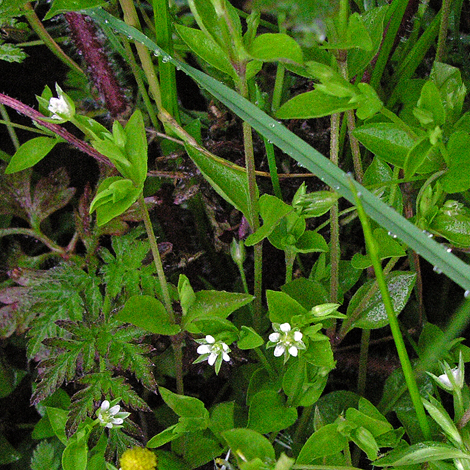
(110,416)
(62,108)
(451,379)
(213,351)
(58,105)
(285,340)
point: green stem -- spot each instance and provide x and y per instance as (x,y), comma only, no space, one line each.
(34,233)
(290,258)
(334,223)
(156,258)
(280,72)
(131,18)
(441,40)
(394,187)
(259,352)
(303,421)
(272,168)
(38,28)
(10,127)
(363,356)
(408,372)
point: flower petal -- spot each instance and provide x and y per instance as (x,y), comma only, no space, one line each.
(293,351)
(274,337)
(210,339)
(114,410)
(285,327)
(279,350)
(204,349)
(225,357)
(105,405)
(212,359)
(298,336)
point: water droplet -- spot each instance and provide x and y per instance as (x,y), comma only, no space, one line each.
(156,53)
(466,293)
(437,270)
(272,125)
(165,59)
(106,21)
(449,250)
(359,194)
(336,188)
(270,141)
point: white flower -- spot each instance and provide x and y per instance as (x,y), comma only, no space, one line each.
(452,379)
(285,340)
(62,108)
(110,416)
(213,351)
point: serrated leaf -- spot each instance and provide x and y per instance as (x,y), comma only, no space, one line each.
(45,456)
(12,53)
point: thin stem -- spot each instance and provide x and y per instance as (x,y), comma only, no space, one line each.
(290,258)
(408,372)
(131,18)
(4,232)
(363,356)
(38,28)
(441,40)
(280,72)
(272,168)
(335,252)
(266,364)
(156,258)
(10,127)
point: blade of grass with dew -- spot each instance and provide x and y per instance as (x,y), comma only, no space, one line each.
(373,251)
(311,159)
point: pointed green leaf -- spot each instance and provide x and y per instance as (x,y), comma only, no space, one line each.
(271,47)
(30,153)
(147,313)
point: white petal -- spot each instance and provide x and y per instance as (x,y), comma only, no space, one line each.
(445,380)
(225,347)
(210,339)
(212,359)
(109,425)
(117,421)
(105,405)
(298,336)
(293,351)
(204,349)
(279,350)
(274,337)
(285,327)
(114,410)
(225,357)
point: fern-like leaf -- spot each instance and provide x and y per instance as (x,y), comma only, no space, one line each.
(46,456)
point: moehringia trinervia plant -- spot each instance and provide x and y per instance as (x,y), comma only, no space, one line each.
(110,416)
(286,341)
(212,351)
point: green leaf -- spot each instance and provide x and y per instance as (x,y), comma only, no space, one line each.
(12,53)
(388,248)
(8,454)
(45,456)
(58,420)
(162,438)
(211,303)
(30,153)
(184,406)
(227,180)
(282,307)
(250,443)
(75,455)
(311,242)
(373,314)
(322,443)
(416,156)
(310,158)
(272,210)
(456,179)
(148,313)
(356,36)
(268,413)
(63,6)
(455,228)
(423,452)
(430,101)
(206,48)
(136,148)
(271,47)
(249,339)
(313,104)
(385,140)
(114,196)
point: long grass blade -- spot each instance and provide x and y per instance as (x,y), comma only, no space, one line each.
(311,159)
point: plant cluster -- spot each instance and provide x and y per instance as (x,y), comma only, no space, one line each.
(135,360)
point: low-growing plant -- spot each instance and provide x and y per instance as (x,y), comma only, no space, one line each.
(135,360)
